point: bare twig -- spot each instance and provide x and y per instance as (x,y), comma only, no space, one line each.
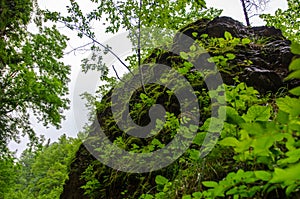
(77,48)
(97,42)
(117,73)
(106,48)
(253,15)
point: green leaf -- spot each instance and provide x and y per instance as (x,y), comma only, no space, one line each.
(258,113)
(184,55)
(197,195)
(183,71)
(160,195)
(295,91)
(210,183)
(282,117)
(289,105)
(195,34)
(230,56)
(279,176)
(233,117)
(160,180)
(295,48)
(146,196)
(263,175)
(199,138)
(187,64)
(227,35)
(213,125)
(295,64)
(187,197)
(204,36)
(229,141)
(246,41)
(193,48)
(233,191)
(291,188)
(287,176)
(293,157)
(194,154)
(293,75)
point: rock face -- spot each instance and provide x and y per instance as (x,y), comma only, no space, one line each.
(72,188)
(270,54)
(269,57)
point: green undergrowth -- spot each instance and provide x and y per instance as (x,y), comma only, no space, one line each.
(255,154)
(40,173)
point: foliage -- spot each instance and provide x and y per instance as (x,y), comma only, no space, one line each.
(264,139)
(221,51)
(42,173)
(145,21)
(190,176)
(7,176)
(32,78)
(286,20)
(245,161)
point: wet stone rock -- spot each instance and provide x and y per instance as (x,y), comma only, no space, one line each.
(269,59)
(270,56)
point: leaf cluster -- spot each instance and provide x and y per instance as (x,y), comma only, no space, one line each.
(33,80)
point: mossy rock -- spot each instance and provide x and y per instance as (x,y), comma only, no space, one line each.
(269,56)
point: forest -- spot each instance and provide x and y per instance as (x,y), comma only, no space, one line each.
(209,107)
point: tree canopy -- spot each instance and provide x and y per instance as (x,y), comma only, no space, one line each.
(288,21)
(132,16)
(40,173)
(33,79)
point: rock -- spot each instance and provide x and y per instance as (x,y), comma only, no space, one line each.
(269,57)
(269,53)
(72,187)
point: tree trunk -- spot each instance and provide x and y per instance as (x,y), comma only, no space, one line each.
(245,12)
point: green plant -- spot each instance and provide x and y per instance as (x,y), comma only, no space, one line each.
(92,185)
(266,144)
(221,50)
(41,173)
(286,20)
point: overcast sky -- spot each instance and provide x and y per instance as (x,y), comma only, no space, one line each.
(76,116)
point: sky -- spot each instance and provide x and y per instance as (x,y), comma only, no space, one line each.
(233,8)
(76,116)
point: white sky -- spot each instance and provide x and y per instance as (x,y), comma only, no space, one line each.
(233,8)
(72,125)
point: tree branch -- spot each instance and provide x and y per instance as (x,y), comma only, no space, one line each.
(245,12)
(97,42)
(253,15)
(139,46)
(116,73)
(77,48)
